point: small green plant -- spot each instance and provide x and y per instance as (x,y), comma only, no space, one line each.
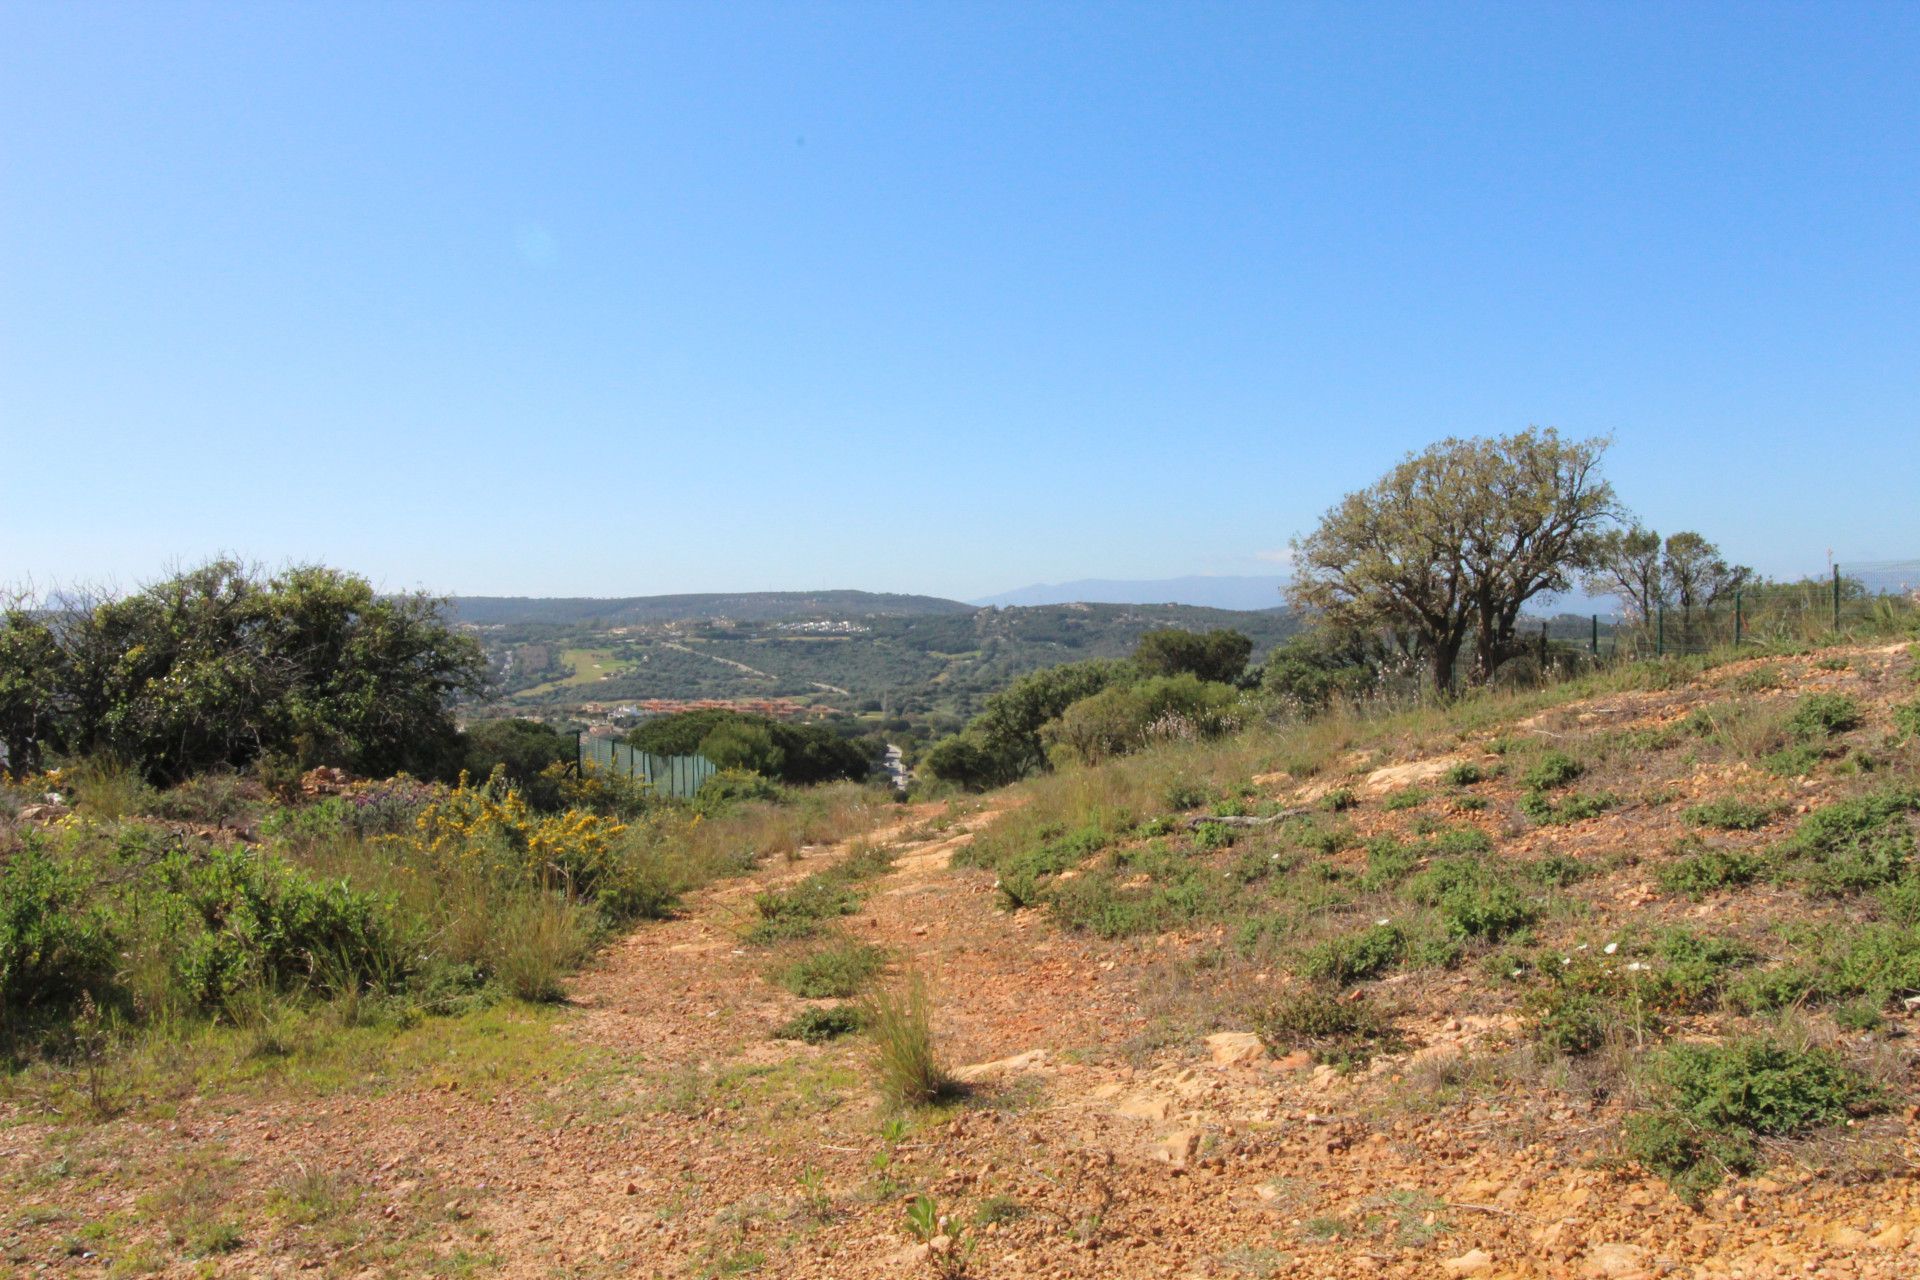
(1465,774)
(1340,799)
(1345,1033)
(1731,813)
(1906,719)
(1708,870)
(1822,715)
(1209,836)
(1758,680)
(1856,844)
(1183,795)
(1472,804)
(835,972)
(1573,807)
(1553,769)
(1356,957)
(819,1025)
(1411,798)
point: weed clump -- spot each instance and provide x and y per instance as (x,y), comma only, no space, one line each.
(1730,813)
(833,973)
(906,1067)
(820,1025)
(1552,770)
(1707,870)
(1856,844)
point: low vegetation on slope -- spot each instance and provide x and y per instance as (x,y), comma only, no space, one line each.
(1689,886)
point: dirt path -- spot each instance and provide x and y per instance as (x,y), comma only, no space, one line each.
(671,1136)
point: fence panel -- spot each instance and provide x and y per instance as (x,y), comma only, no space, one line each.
(677,776)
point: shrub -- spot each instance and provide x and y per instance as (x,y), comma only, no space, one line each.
(1183,795)
(214,799)
(1717,1098)
(1569,1020)
(1855,844)
(1340,799)
(1355,957)
(730,787)
(817,1025)
(1730,813)
(54,946)
(836,972)
(1411,798)
(1822,715)
(1345,1033)
(1709,871)
(1553,769)
(906,1068)
(1574,807)
(1465,774)
(1906,719)
(238,918)
(1125,717)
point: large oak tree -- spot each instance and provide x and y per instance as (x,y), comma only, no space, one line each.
(1448,547)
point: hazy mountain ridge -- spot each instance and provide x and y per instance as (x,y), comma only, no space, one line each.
(743,606)
(1245,593)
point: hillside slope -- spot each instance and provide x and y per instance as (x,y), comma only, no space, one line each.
(1353,1041)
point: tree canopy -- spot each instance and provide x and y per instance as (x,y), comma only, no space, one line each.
(220,665)
(1450,545)
(792,753)
(1219,655)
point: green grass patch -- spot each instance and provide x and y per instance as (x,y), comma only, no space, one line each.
(835,972)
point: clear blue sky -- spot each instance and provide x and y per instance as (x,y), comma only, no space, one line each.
(620,299)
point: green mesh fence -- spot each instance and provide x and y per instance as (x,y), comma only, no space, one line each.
(678,776)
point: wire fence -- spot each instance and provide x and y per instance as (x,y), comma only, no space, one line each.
(677,776)
(1863,597)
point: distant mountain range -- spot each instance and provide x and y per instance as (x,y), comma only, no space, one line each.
(745,606)
(1242,593)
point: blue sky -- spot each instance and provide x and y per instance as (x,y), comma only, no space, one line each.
(621,299)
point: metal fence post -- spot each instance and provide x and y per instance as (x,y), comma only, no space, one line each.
(1660,633)
(1836,597)
(1736,620)
(1593,645)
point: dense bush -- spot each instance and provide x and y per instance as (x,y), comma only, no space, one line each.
(1126,717)
(1718,1098)
(54,946)
(796,754)
(221,666)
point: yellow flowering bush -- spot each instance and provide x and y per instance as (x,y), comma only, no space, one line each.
(492,824)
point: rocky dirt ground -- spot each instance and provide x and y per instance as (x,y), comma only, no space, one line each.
(654,1127)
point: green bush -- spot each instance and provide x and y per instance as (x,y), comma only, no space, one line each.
(239,918)
(1730,813)
(1475,900)
(54,945)
(1552,769)
(1344,1033)
(1569,1020)
(1822,715)
(1715,1099)
(1574,807)
(1125,717)
(835,972)
(1856,844)
(1356,957)
(1906,719)
(1411,798)
(1465,774)
(817,1026)
(1709,871)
